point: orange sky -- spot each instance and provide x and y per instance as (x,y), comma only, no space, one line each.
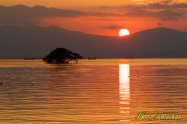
(74,3)
(97,24)
(66,3)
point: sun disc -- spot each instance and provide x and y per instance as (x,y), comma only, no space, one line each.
(124,32)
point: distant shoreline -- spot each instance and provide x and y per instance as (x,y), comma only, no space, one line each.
(90,59)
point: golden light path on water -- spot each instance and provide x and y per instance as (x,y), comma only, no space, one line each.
(124,88)
(102,91)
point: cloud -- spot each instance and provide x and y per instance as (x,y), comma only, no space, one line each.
(153,1)
(21,14)
(167,6)
(168,14)
(159,24)
(161,14)
(159,1)
(113,27)
(100,14)
(163,10)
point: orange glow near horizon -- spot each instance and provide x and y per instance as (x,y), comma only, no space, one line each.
(96,24)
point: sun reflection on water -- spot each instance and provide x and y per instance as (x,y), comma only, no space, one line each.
(124,88)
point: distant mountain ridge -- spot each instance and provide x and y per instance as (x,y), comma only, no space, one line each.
(35,41)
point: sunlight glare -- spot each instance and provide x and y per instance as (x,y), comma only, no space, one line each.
(124,88)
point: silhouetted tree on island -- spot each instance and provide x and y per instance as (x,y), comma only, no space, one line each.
(61,55)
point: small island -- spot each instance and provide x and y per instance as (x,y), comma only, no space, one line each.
(61,56)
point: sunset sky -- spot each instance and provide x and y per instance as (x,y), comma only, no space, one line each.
(102,17)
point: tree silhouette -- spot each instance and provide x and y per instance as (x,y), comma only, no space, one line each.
(61,55)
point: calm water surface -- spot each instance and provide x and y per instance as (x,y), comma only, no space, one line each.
(103,91)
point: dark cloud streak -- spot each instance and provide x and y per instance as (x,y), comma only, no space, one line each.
(21,14)
(164,10)
(113,27)
(25,15)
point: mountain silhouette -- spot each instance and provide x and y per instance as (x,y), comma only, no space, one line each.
(158,42)
(35,41)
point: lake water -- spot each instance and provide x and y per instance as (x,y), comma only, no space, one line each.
(103,91)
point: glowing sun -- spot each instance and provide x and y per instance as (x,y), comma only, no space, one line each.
(124,32)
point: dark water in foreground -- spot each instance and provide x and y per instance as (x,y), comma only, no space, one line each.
(108,91)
